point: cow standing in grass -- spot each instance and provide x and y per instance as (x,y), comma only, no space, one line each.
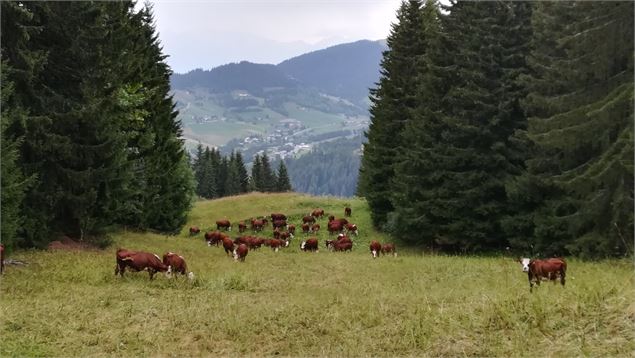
(176,264)
(138,261)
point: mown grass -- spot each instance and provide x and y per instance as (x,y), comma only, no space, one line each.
(293,303)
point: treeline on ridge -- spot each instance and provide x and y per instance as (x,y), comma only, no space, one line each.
(90,138)
(505,124)
(218,175)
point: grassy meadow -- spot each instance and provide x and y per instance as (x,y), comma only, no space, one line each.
(292,303)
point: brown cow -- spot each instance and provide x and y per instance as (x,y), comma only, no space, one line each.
(224,224)
(335,226)
(549,269)
(228,245)
(275,217)
(176,263)
(342,246)
(311,245)
(347,211)
(315,228)
(242,227)
(317,213)
(214,237)
(1,259)
(194,230)
(375,248)
(138,260)
(306,228)
(291,229)
(389,249)
(308,219)
(240,252)
(352,228)
(257,224)
(279,224)
(341,238)
(276,244)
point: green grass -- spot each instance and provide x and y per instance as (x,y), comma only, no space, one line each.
(293,303)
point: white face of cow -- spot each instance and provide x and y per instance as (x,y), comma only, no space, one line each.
(303,244)
(525,262)
(190,276)
(374,253)
(235,255)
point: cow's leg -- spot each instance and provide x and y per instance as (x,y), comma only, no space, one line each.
(562,275)
(151,271)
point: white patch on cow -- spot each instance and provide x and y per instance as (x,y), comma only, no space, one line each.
(169,269)
(525,262)
(374,253)
(235,254)
(209,243)
(158,258)
(394,254)
(275,250)
(302,246)
(182,258)
(229,229)
(190,275)
(286,243)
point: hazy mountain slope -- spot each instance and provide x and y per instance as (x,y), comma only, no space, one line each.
(346,70)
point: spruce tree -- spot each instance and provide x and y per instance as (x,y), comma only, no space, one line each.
(256,179)
(283,183)
(393,100)
(579,181)
(243,177)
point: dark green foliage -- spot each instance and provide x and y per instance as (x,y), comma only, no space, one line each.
(219,176)
(331,168)
(267,175)
(393,100)
(283,184)
(579,186)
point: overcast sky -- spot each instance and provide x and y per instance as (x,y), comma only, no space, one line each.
(208,33)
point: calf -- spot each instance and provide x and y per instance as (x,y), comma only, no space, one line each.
(310,245)
(352,228)
(375,248)
(223,224)
(549,269)
(194,230)
(389,249)
(317,213)
(138,260)
(347,211)
(176,263)
(240,252)
(315,228)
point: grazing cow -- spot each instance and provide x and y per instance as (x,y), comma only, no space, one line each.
(276,244)
(341,238)
(310,245)
(214,237)
(284,236)
(352,228)
(194,230)
(275,217)
(335,226)
(306,228)
(242,227)
(228,245)
(342,246)
(225,224)
(549,269)
(389,249)
(138,260)
(315,228)
(375,248)
(291,229)
(308,219)
(256,243)
(276,233)
(317,213)
(176,263)
(347,211)
(279,223)
(257,225)
(242,240)
(1,259)
(240,252)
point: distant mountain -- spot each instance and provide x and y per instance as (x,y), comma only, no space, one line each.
(245,75)
(346,70)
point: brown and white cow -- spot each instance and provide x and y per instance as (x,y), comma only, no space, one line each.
(228,245)
(310,245)
(317,213)
(241,252)
(137,261)
(549,269)
(279,223)
(176,264)
(352,228)
(389,249)
(242,227)
(315,228)
(375,248)
(342,245)
(194,230)
(291,229)
(223,224)
(276,244)
(335,227)
(308,219)
(278,216)
(214,237)
(306,228)
(257,224)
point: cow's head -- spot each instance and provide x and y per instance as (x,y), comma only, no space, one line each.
(190,275)
(302,245)
(374,252)
(525,263)
(236,254)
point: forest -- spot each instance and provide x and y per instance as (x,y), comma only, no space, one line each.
(505,125)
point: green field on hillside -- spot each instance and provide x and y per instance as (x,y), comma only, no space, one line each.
(292,303)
